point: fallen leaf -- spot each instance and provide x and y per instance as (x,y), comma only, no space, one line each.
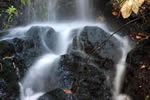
(68,91)
(8,57)
(129,6)
(126,9)
(139,36)
(115,13)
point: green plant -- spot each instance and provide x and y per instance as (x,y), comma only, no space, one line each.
(11,11)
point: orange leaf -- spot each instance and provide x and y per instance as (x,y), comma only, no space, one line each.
(115,13)
(68,91)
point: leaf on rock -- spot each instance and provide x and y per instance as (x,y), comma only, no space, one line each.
(7,57)
(115,13)
(68,91)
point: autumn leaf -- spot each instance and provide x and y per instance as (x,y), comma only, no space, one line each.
(115,13)
(68,91)
(126,9)
(7,57)
(129,6)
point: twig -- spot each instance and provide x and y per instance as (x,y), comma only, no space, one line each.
(102,44)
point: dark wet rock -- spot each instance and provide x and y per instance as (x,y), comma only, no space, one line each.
(137,78)
(42,37)
(12,69)
(92,74)
(88,76)
(37,41)
(91,37)
(89,82)
(16,56)
(57,94)
(7,49)
(8,91)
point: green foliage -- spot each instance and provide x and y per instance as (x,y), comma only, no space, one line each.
(11,10)
(23,2)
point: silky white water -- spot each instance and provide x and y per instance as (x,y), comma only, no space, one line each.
(45,11)
(83,9)
(41,10)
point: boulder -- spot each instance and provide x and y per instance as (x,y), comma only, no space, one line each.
(17,55)
(92,73)
(89,81)
(137,79)
(12,69)
(57,94)
(91,37)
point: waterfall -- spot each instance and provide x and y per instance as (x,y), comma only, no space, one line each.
(83,8)
(120,70)
(45,11)
(41,10)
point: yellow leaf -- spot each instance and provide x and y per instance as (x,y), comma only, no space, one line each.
(139,2)
(129,6)
(136,5)
(7,57)
(126,9)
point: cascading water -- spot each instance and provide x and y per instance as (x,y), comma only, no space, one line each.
(41,10)
(32,86)
(83,9)
(120,70)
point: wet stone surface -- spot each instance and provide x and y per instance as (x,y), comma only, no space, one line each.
(137,79)
(89,76)
(16,56)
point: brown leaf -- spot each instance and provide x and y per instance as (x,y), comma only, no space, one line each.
(136,5)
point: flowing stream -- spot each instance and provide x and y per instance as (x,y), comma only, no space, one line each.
(32,86)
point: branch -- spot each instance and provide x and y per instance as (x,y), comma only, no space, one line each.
(102,44)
